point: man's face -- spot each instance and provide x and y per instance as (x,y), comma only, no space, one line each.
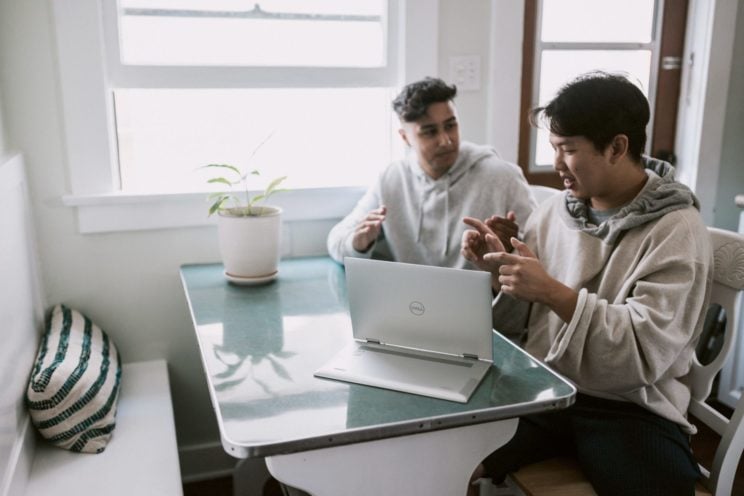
(435,138)
(584,170)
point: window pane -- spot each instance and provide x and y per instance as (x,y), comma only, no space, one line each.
(318,137)
(597,20)
(561,66)
(330,33)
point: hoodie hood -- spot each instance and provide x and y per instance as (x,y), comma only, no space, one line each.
(660,195)
(468,155)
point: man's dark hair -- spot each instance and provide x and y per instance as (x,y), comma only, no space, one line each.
(598,106)
(414,99)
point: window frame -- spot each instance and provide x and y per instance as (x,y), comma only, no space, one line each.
(654,46)
(153,76)
(87,78)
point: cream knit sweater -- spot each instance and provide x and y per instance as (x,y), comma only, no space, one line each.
(644,279)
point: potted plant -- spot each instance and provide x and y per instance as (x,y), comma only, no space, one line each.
(249,231)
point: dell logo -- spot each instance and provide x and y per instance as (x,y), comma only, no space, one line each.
(416,308)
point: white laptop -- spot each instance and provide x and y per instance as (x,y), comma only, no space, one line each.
(418,329)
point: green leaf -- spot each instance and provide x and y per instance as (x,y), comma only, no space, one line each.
(273,184)
(220,180)
(256,199)
(255,172)
(215,207)
(223,166)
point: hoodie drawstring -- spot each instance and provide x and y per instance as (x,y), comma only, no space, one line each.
(446,216)
(420,219)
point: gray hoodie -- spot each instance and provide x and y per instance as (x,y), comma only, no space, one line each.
(424,224)
(644,278)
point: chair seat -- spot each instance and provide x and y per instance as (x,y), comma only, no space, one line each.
(562,477)
(700,490)
(555,476)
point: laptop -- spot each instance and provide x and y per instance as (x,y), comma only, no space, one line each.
(418,329)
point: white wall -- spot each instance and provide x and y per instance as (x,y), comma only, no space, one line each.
(731,178)
(464,30)
(3,149)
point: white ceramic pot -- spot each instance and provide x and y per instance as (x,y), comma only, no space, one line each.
(250,244)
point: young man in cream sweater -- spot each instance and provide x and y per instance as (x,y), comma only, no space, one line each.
(413,212)
(612,280)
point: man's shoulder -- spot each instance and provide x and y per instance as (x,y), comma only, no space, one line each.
(486,160)
(397,169)
(683,228)
(687,219)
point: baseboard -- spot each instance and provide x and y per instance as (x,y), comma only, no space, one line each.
(205,461)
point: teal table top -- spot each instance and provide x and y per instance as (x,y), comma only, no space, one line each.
(261,344)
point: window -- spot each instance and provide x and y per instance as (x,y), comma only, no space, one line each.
(321,33)
(577,36)
(319,137)
(153,89)
(167,129)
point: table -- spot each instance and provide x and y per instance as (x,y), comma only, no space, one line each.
(260,346)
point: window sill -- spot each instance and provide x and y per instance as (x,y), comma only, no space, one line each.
(116,212)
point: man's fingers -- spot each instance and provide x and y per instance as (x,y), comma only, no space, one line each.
(468,253)
(371,223)
(502,258)
(470,236)
(522,248)
(375,216)
(500,224)
(511,216)
(494,243)
(478,225)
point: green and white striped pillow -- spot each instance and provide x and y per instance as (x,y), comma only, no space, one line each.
(74,386)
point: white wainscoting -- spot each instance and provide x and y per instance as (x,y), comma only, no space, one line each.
(21,314)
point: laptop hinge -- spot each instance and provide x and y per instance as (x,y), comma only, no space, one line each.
(470,355)
(371,340)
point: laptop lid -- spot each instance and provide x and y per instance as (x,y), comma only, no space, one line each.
(437,309)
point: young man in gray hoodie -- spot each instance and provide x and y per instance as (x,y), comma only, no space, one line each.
(413,212)
(613,276)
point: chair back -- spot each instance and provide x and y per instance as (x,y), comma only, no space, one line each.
(728,283)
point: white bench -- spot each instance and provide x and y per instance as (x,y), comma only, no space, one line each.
(141,458)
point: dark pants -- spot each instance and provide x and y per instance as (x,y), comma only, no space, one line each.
(622,448)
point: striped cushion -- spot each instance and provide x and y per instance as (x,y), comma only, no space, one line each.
(74,386)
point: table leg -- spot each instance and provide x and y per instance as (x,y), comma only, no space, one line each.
(432,463)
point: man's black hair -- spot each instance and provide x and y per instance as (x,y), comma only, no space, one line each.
(414,99)
(598,106)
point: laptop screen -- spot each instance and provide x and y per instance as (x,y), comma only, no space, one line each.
(430,308)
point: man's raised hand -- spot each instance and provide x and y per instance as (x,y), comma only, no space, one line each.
(479,241)
(368,229)
(505,228)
